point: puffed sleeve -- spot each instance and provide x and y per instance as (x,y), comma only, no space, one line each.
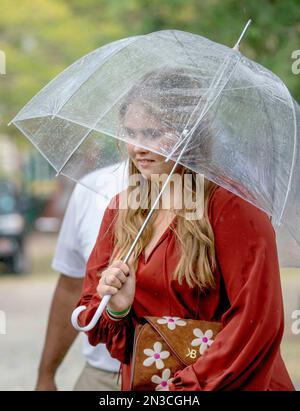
(244,351)
(117,335)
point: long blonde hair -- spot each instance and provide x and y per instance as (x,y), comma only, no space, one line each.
(194,238)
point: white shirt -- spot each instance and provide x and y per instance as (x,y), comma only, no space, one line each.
(78,235)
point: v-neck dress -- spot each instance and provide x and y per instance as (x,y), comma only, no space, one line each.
(247,299)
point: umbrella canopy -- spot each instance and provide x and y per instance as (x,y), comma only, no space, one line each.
(240,121)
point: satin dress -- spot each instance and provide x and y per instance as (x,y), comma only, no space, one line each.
(247,299)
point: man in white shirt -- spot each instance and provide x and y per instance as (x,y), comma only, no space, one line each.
(76,240)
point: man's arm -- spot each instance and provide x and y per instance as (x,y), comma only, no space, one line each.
(60,332)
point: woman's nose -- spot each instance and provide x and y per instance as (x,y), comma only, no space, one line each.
(139,149)
(139,138)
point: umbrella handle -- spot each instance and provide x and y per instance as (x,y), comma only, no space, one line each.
(94,320)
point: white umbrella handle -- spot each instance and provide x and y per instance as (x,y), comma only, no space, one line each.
(94,320)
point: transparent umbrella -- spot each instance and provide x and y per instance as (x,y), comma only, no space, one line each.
(217,113)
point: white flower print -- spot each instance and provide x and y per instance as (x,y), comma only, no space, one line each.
(156,355)
(204,340)
(172,322)
(162,382)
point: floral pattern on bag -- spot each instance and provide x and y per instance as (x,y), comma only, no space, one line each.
(156,355)
(164,381)
(203,339)
(172,322)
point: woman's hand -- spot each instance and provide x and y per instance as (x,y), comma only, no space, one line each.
(118,280)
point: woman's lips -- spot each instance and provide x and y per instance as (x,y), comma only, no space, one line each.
(145,163)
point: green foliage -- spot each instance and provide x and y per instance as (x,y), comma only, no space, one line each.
(42,37)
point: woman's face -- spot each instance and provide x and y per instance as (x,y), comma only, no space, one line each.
(140,126)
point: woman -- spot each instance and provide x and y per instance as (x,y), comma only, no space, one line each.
(220,267)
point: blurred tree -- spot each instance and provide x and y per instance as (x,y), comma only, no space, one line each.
(39,37)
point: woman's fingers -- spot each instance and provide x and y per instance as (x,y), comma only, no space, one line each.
(103,290)
(114,277)
(119,264)
(111,280)
(119,274)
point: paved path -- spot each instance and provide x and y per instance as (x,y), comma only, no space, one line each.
(26,301)
(26,304)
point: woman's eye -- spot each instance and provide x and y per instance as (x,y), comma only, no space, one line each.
(130,133)
(147,134)
(153,134)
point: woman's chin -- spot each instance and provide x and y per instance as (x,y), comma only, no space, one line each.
(146,172)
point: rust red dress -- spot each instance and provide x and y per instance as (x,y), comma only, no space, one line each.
(247,300)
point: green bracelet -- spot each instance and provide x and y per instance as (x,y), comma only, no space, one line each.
(120,312)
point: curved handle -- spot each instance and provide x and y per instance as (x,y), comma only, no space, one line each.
(94,320)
